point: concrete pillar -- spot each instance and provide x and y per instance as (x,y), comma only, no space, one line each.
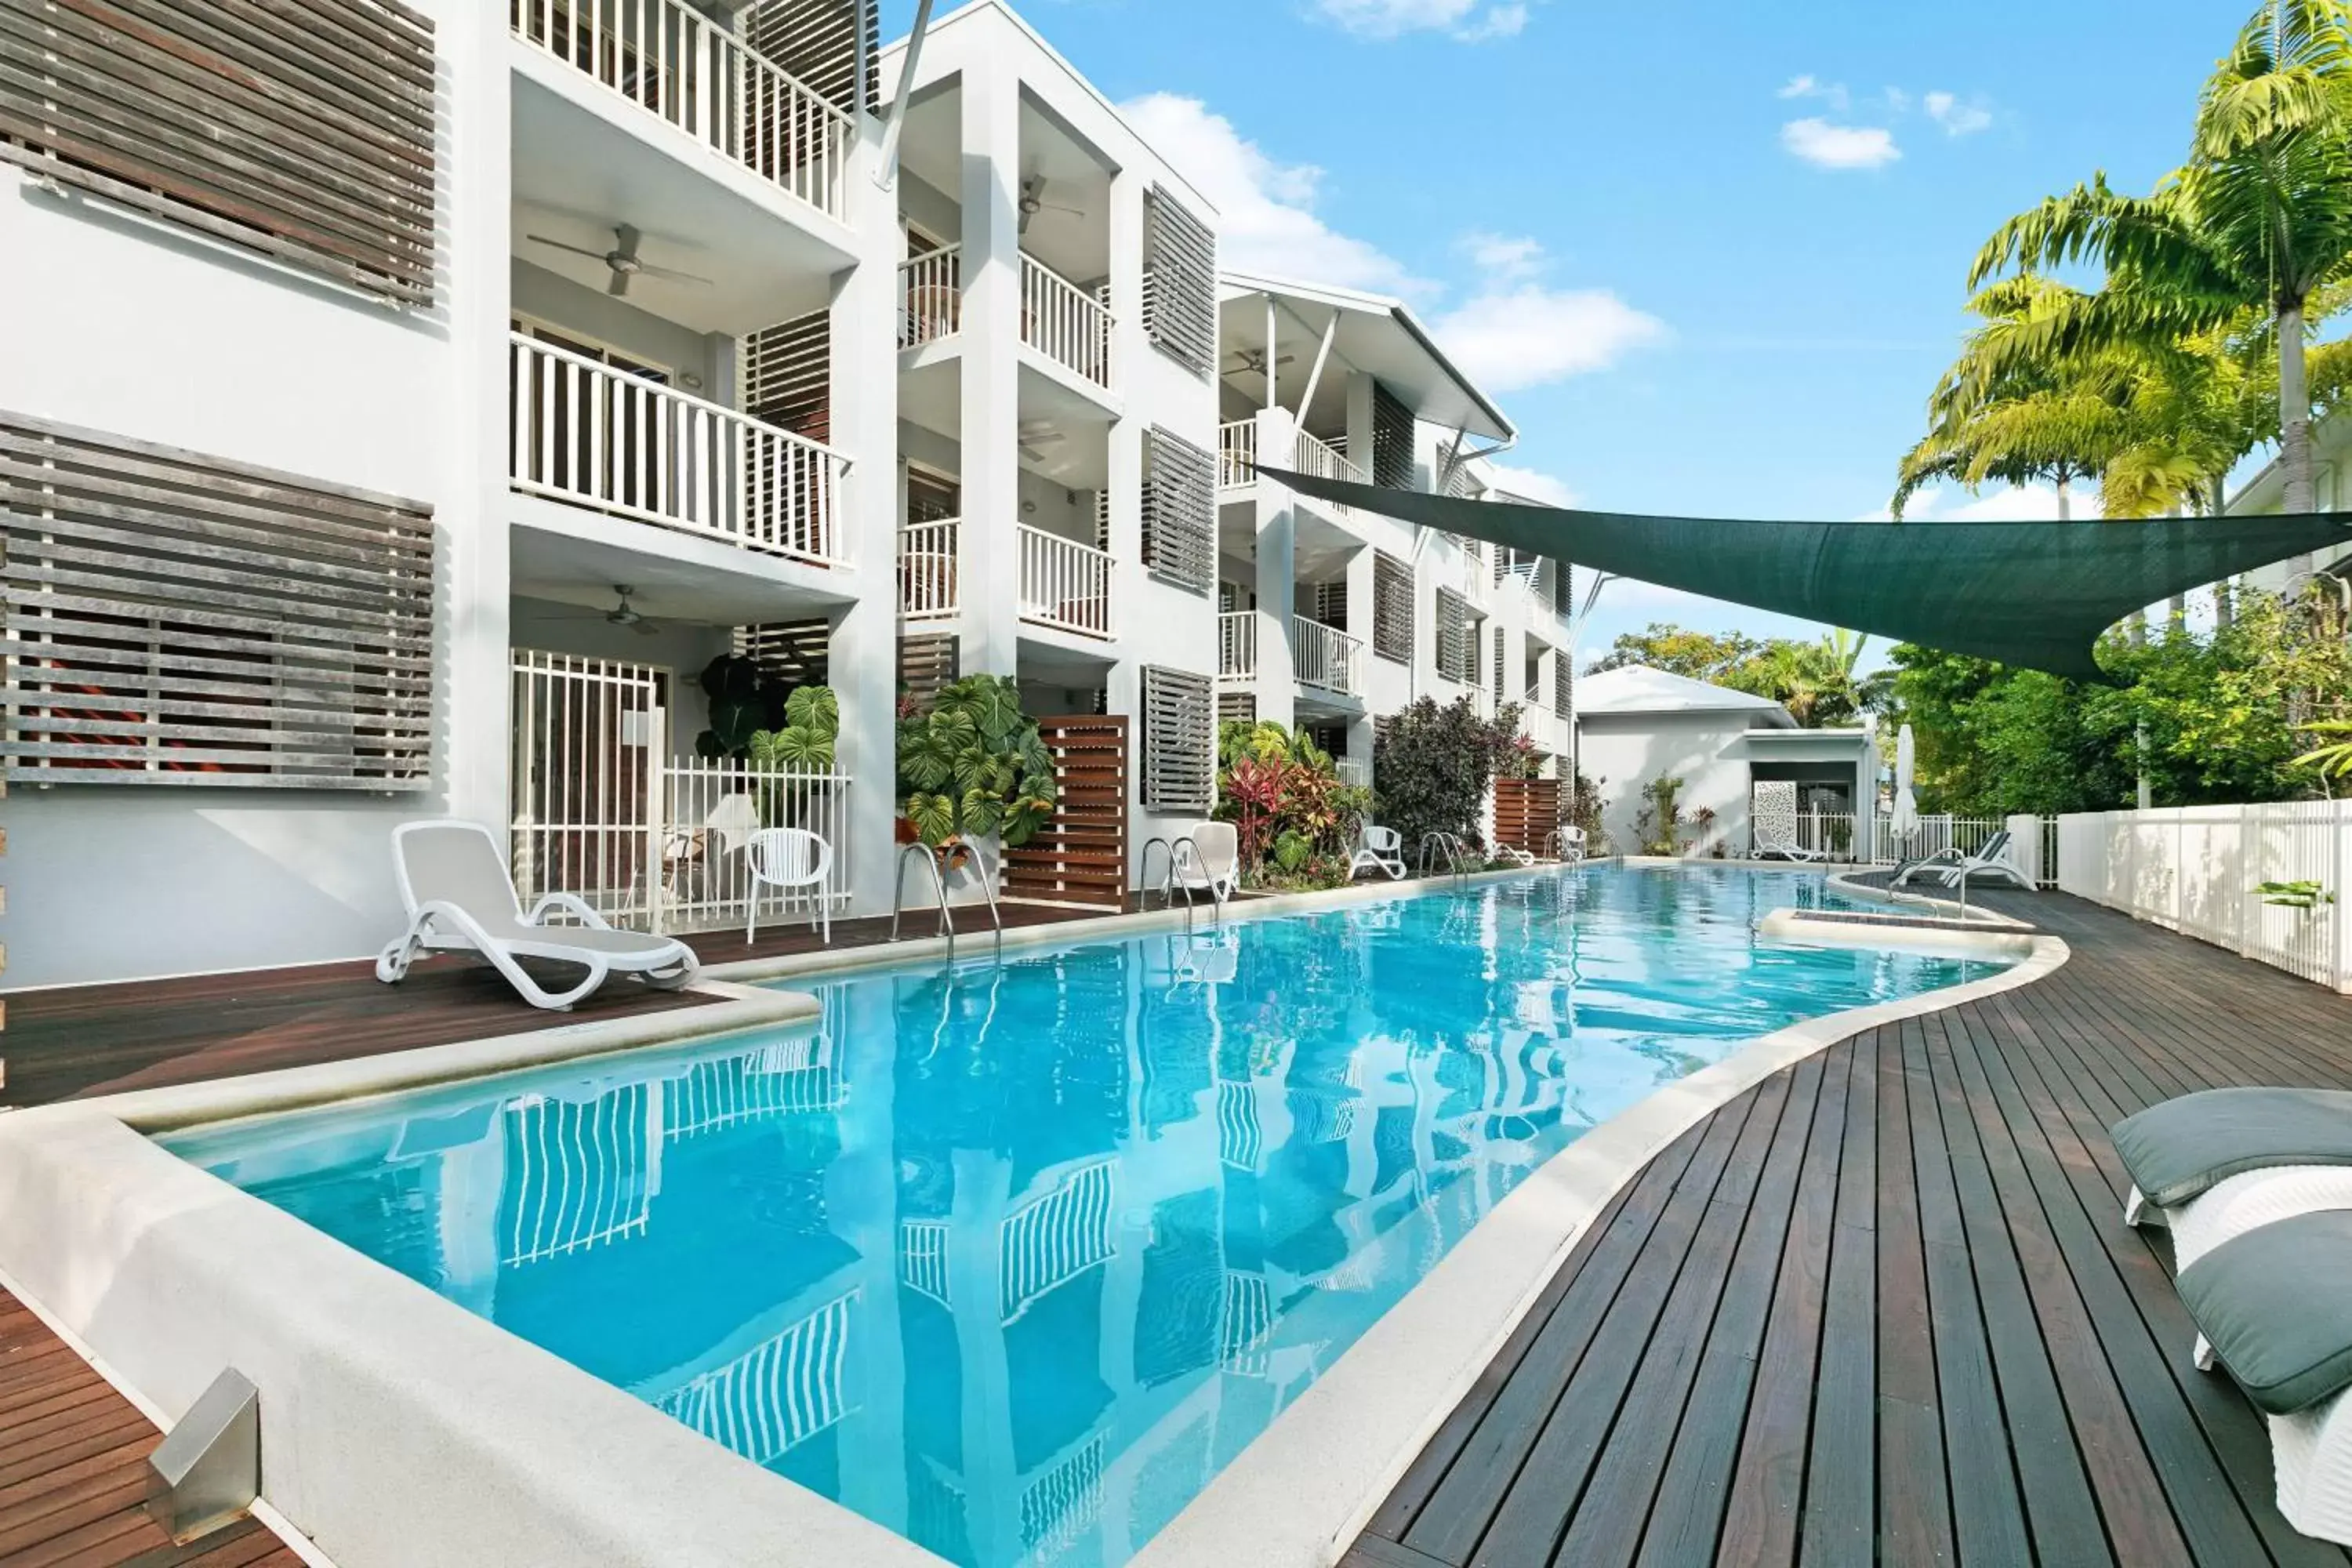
(1276,572)
(988,559)
(865,647)
(1132,591)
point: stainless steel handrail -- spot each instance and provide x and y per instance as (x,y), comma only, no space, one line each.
(940,885)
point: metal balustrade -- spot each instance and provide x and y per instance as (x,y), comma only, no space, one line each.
(1064,583)
(1237,454)
(1063,323)
(926,570)
(704,82)
(591,434)
(1326,656)
(930,297)
(1237,645)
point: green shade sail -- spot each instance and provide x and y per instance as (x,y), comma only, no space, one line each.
(2034,595)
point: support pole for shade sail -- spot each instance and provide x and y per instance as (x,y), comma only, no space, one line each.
(885,171)
(2037,595)
(1314,374)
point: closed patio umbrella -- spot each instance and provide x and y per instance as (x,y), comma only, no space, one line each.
(1905,824)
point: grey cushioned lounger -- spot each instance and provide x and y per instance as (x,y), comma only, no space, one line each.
(2276,1304)
(2177,1150)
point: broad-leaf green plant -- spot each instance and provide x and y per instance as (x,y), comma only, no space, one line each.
(973,764)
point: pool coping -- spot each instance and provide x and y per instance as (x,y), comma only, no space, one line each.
(168,1274)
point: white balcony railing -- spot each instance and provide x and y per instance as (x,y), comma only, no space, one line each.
(1353,770)
(1063,323)
(1237,645)
(930,297)
(926,570)
(1322,461)
(585,433)
(1064,584)
(672,61)
(1326,656)
(1237,454)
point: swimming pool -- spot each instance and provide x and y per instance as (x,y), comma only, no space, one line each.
(1013,1260)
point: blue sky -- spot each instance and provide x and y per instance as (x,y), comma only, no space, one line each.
(1710,259)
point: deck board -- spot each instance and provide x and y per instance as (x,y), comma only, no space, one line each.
(1883,1309)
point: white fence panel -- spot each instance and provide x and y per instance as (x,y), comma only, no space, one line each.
(709,812)
(2198,870)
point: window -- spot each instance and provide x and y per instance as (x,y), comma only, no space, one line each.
(1180,283)
(1179,742)
(932,496)
(1328,603)
(305,134)
(173,618)
(1180,511)
(1392,608)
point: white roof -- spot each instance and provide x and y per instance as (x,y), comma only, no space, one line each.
(1638,689)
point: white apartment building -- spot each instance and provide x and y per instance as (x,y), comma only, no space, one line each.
(409,441)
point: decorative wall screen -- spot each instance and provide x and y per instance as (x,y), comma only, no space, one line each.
(1180,741)
(302,131)
(1775,814)
(1180,511)
(812,39)
(172,618)
(1392,608)
(1180,295)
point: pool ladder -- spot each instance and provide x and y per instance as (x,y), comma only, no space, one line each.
(1182,844)
(1445,850)
(930,858)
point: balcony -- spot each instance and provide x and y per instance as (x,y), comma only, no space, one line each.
(1237,645)
(704,83)
(926,570)
(591,436)
(1319,459)
(930,297)
(1063,323)
(1064,585)
(1325,657)
(1237,455)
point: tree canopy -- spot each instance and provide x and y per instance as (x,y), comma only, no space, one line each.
(1817,681)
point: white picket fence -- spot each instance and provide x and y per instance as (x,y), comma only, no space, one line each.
(2197,869)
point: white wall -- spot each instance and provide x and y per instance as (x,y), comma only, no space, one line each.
(142,328)
(1623,753)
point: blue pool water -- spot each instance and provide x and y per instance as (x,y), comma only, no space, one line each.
(1013,1260)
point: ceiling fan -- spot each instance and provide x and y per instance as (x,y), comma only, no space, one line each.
(1253,361)
(624,260)
(1033,439)
(625,614)
(1033,202)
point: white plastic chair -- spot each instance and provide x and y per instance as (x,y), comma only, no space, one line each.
(1215,866)
(461,897)
(785,859)
(1378,849)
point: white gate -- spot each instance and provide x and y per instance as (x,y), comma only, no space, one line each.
(588,737)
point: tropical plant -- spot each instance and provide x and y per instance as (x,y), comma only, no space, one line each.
(1274,784)
(1432,767)
(2257,221)
(811,727)
(1660,823)
(1819,682)
(1253,795)
(1585,806)
(743,700)
(1292,851)
(973,764)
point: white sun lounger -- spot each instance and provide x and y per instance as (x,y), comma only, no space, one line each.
(1950,868)
(1376,850)
(1788,849)
(460,899)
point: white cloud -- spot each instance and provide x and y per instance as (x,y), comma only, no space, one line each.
(1958,119)
(1504,255)
(1828,146)
(1531,484)
(1899,100)
(1830,92)
(2012,503)
(1515,336)
(1267,221)
(1393,18)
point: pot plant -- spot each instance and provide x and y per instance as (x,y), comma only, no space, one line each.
(972,766)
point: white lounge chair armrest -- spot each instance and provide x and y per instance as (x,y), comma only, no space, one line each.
(569,902)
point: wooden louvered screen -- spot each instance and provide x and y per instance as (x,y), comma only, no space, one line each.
(1180,743)
(1563,683)
(1563,588)
(812,40)
(1392,608)
(1527,811)
(1236,705)
(797,652)
(173,618)
(1328,603)
(1180,295)
(303,129)
(1457,638)
(1392,457)
(1497,679)
(1080,856)
(1180,511)
(926,665)
(788,375)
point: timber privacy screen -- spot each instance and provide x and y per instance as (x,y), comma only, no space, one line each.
(303,129)
(172,618)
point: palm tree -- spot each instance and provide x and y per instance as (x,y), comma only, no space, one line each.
(2258,220)
(2012,416)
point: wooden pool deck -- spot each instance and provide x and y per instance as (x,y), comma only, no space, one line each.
(1883,1309)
